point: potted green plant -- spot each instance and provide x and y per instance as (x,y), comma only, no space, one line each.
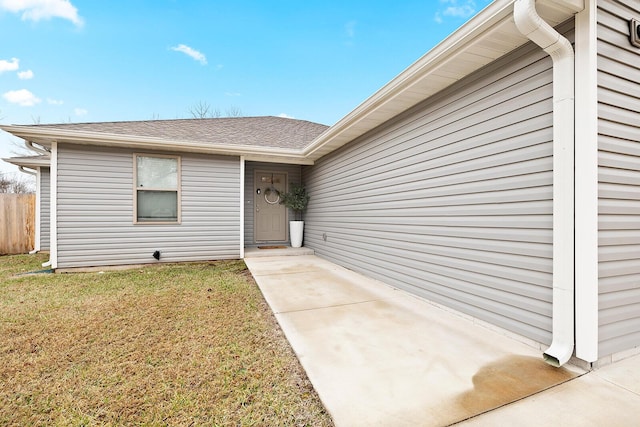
(297,200)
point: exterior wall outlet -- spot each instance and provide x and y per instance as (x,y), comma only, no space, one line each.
(634,32)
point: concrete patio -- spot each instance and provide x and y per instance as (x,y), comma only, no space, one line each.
(378,356)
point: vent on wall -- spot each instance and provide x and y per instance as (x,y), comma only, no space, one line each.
(634,32)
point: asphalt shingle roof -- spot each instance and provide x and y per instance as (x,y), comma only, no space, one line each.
(265,131)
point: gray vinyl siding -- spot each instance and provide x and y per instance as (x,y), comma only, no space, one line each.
(618,178)
(452,200)
(45,208)
(95,210)
(293,172)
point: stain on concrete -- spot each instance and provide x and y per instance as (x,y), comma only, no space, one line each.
(507,380)
(378,358)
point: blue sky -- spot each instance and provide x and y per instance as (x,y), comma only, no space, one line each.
(88,61)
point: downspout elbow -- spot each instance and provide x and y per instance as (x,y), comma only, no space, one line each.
(24,170)
(38,150)
(536,29)
(532,26)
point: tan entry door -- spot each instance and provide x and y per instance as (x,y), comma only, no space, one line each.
(270,215)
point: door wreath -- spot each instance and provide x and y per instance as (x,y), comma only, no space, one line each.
(269,194)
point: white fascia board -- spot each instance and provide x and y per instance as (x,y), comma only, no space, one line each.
(452,50)
(455,43)
(45,136)
(29,163)
(290,160)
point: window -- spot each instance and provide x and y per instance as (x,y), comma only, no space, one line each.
(157,193)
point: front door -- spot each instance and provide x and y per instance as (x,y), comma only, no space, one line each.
(270,215)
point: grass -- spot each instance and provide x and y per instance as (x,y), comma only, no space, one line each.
(190,344)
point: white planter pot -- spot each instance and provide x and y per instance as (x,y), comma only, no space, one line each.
(296,231)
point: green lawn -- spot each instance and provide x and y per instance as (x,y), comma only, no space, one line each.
(179,344)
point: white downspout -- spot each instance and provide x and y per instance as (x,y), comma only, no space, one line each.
(36,245)
(36,248)
(531,25)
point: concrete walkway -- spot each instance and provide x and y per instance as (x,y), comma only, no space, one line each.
(378,356)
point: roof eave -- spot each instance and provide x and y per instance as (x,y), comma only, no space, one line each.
(25,162)
(483,39)
(46,136)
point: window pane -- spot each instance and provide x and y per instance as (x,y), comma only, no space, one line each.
(157,205)
(157,172)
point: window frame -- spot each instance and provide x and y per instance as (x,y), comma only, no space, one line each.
(177,190)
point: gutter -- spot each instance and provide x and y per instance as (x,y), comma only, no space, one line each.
(531,25)
(44,135)
(29,162)
(417,72)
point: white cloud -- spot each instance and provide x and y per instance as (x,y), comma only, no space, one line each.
(198,56)
(25,75)
(350,32)
(21,97)
(54,101)
(285,116)
(35,10)
(11,65)
(350,29)
(461,9)
(80,112)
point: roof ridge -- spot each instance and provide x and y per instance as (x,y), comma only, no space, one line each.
(192,119)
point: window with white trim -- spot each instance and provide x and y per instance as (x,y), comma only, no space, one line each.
(157,189)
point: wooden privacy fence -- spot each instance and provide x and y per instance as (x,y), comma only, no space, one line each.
(17,223)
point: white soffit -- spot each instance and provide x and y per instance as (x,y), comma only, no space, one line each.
(486,37)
